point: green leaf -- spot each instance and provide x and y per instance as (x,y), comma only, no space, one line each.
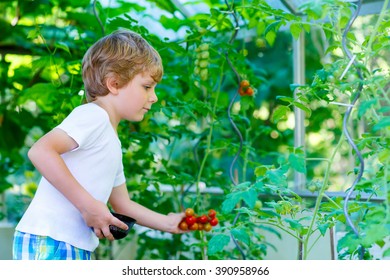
(242,186)
(307,27)
(260,171)
(384,109)
(381,124)
(295,29)
(190,113)
(62,46)
(270,37)
(260,27)
(302,107)
(217,243)
(33,34)
(44,95)
(364,106)
(384,156)
(285,98)
(295,225)
(280,113)
(250,197)
(232,199)
(374,233)
(263,213)
(303,98)
(323,228)
(167,112)
(386,253)
(297,162)
(259,186)
(229,203)
(277,177)
(247,211)
(273,27)
(349,241)
(241,235)
(165,5)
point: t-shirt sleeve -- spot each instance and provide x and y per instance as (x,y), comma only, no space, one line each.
(84,124)
(120,177)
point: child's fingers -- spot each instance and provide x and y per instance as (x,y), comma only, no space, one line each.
(98,233)
(107,233)
(176,219)
(116,222)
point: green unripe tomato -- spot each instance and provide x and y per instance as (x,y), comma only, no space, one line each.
(261,43)
(204,74)
(331,79)
(203,63)
(312,188)
(196,70)
(204,55)
(258,205)
(204,47)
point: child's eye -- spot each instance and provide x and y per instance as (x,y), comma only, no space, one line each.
(147,87)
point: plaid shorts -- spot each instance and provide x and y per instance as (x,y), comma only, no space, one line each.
(35,247)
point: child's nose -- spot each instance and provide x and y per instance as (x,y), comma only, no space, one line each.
(153,97)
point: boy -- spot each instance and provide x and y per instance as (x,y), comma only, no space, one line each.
(80,160)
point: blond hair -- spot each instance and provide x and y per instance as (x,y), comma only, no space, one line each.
(121,55)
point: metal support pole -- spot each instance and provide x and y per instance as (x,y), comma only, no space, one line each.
(299,79)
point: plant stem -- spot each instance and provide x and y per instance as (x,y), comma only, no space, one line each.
(207,152)
(245,157)
(319,198)
(382,90)
(283,229)
(317,159)
(332,201)
(375,30)
(209,137)
(311,247)
(387,189)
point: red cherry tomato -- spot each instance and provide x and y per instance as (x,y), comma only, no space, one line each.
(202,219)
(244,84)
(190,220)
(194,226)
(249,91)
(212,213)
(214,222)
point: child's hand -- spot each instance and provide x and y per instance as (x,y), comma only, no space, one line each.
(98,217)
(174,220)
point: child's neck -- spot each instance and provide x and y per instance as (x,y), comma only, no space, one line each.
(110,111)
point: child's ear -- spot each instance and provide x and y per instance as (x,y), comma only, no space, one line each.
(112,85)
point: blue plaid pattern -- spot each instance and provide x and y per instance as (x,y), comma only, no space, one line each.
(35,247)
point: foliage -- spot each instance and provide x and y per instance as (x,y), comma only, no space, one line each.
(202,138)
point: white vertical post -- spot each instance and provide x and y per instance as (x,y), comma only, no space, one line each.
(299,79)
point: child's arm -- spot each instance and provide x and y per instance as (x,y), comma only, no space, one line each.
(122,204)
(45,155)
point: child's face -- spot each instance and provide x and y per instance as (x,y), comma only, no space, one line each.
(136,98)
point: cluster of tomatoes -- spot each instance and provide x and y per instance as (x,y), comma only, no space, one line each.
(196,222)
(245,88)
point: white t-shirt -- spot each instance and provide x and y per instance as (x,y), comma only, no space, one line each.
(96,164)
